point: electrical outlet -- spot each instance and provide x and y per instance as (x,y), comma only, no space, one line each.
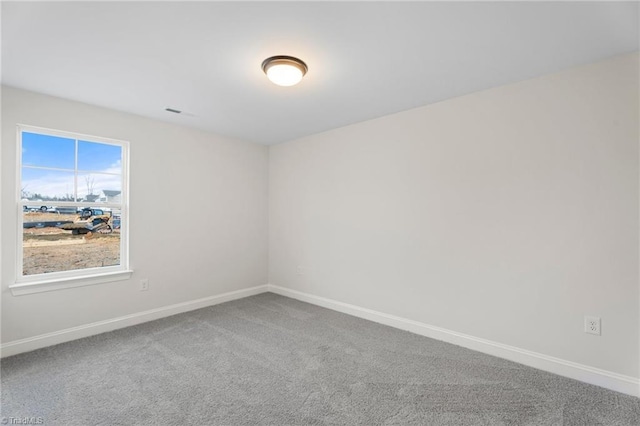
(592,325)
(144,284)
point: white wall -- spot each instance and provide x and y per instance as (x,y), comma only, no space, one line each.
(198,216)
(506,214)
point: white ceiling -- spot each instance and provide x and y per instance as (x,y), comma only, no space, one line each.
(366,59)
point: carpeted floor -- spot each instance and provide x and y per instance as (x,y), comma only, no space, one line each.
(272,360)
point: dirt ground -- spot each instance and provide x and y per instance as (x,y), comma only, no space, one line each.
(52,249)
(42,217)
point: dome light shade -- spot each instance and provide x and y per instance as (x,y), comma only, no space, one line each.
(284,70)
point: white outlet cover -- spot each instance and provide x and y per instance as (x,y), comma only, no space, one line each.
(592,325)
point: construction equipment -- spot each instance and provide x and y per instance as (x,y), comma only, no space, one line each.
(90,220)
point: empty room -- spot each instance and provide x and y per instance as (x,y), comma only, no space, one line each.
(306,213)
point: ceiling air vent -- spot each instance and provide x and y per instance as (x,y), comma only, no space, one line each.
(175,111)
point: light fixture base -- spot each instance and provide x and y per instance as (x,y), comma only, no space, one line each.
(284,70)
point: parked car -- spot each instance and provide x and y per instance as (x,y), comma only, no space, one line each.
(35,207)
(88,212)
(66,210)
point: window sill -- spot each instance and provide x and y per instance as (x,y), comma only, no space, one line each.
(41,286)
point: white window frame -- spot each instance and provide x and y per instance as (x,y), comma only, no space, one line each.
(27,284)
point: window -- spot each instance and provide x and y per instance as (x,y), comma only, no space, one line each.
(72,206)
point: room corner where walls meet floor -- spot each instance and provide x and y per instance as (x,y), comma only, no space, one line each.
(269,359)
(606,379)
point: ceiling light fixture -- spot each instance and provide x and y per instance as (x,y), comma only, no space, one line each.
(284,70)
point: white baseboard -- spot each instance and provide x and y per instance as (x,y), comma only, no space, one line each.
(66,335)
(606,379)
(584,373)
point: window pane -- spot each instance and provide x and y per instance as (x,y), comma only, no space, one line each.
(46,185)
(98,187)
(48,151)
(54,242)
(85,234)
(99,157)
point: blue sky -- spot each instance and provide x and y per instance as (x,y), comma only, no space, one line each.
(104,162)
(53,151)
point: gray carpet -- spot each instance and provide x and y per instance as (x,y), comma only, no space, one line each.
(272,360)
